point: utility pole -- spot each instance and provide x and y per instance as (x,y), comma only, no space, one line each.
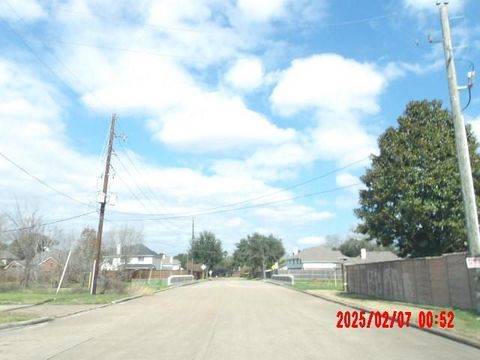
(468,192)
(103,202)
(193,238)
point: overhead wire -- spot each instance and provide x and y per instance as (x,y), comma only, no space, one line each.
(266,204)
(36,178)
(267,194)
(48,223)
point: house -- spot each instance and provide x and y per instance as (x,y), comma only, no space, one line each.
(138,257)
(169,263)
(6,257)
(15,266)
(316,258)
(372,256)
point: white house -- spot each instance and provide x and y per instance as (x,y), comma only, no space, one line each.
(139,257)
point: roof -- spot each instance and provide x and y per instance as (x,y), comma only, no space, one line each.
(373,256)
(319,254)
(134,250)
(14,264)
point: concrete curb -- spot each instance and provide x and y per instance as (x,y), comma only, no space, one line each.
(25,323)
(28,305)
(454,337)
(45,319)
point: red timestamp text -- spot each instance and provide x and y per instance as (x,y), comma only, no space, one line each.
(390,319)
(373,319)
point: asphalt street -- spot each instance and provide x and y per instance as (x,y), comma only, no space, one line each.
(221,320)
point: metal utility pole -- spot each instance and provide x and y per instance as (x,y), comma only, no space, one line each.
(103,202)
(468,192)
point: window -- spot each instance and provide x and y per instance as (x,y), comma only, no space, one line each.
(140,258)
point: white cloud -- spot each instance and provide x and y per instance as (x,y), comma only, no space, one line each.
(293,214)
(27,10)
(246,74)
(346,179)
(262,11)
(431,5)
(311,240)
(342,138)
(171,12)
(214,122)
(33,136)
(329,82)
(475,124)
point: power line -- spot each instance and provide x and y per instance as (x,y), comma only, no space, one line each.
(139,189)
(189,214)
(49,223)
(214,31)
(150,190)
(43,182)
(243,207)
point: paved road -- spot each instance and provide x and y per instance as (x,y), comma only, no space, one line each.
(222,320)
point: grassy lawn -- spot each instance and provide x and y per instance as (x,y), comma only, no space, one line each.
(467,323)
(8,316)
(33,296)
(317,285)
(28,296)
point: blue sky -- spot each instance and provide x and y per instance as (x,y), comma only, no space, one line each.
(218,103)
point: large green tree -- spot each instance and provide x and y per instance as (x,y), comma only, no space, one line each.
(207,249)
(413,198)
(258,251)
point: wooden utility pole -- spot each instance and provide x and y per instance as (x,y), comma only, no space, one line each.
(466,179)
(103,202)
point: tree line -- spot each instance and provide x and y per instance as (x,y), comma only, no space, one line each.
(255,253)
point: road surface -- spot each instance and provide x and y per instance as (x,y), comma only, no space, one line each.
(222,320)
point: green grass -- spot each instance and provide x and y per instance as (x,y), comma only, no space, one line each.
(317,285)
(8,317)
(28,296)
(33,296)
(154,284)
(467,323)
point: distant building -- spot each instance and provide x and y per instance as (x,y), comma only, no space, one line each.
(321,257)
(6,257)
(316,258)
(138,257)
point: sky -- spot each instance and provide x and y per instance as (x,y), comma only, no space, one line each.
(250,116)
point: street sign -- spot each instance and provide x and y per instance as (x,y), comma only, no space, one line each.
(203,267)
(473,262)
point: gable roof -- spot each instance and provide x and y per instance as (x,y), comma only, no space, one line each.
(133,250)
(373,256)
(319,254)
(15,264)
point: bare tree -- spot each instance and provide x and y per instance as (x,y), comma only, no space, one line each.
(28,239)
(125,238)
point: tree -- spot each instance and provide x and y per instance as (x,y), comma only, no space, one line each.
(182,258)
(83,254)
(352,247)
(28,240)
(258,252)
(207,249)
(225,267)
(413,198)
